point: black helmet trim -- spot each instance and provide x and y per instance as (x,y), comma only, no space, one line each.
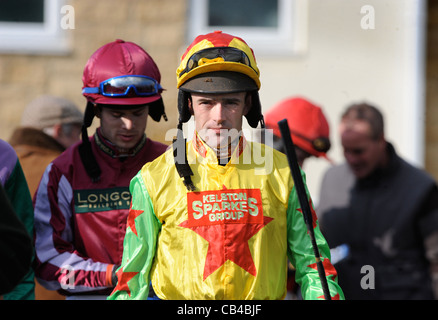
(85,151)
(219,82)
(156,110)
(180,158)
(254,115)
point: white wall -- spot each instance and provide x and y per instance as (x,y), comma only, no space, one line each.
(344,63)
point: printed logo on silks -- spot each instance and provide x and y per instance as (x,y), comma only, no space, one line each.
(227,219)
(225,206)
(95,200)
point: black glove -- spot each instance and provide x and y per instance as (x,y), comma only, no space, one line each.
(114,275)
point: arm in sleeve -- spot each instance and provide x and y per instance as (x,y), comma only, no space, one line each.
(59,264)
(21,200)
(139,245)
(15,246)
(301,254)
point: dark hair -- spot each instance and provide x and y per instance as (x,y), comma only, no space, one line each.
(368,113)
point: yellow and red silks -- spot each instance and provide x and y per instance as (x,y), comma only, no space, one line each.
(230,239)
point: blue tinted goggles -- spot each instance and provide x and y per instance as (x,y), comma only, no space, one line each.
(122,85)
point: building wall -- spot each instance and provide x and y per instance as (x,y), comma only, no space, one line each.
(156,25)
(345,63)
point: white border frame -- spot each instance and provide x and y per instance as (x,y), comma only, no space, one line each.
(290,38)
(37,38)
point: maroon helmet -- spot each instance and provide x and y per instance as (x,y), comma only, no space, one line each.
(123,74)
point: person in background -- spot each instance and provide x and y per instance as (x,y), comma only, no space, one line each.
(310,134)
(49,125)
(213,218)
(15,186)
(83,199)
(308,126)
(16,249)
(380,214)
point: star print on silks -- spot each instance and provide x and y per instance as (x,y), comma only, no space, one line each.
(312,210)
(131,218)
(123,278)
(335,297)
(329,271)
(227,219)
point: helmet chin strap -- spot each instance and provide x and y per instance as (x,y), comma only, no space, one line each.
(87,156)
(180,158)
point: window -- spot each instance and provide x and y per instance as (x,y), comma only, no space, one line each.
(22,11)
(257,13)
(32,26)
(271,27)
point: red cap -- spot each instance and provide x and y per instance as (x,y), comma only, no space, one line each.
(114,59)
(306,122)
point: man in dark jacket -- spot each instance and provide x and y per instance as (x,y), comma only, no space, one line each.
(49,125)
(381,213)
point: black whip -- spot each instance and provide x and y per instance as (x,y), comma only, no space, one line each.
(302,197)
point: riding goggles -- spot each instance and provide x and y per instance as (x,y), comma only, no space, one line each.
(229,54)
(121,86)
(320,144)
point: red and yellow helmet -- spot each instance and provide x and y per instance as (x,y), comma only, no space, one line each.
(217,51)
(214,63)
(219,63)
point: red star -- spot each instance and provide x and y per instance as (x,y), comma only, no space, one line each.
(123,278)
(328,268)
(234,247)
(312,210)
(329,271)
(131,218)
(335,297)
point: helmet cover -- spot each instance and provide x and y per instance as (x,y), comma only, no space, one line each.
(120,58)
(217,39)
(307,123)
(217,74)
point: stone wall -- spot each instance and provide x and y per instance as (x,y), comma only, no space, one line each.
(156,25)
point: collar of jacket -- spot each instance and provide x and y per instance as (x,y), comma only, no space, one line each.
(207,153)
(109,148)
(381,173)
(36,138)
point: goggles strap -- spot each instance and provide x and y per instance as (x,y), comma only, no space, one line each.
(320,144)
(91,90)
